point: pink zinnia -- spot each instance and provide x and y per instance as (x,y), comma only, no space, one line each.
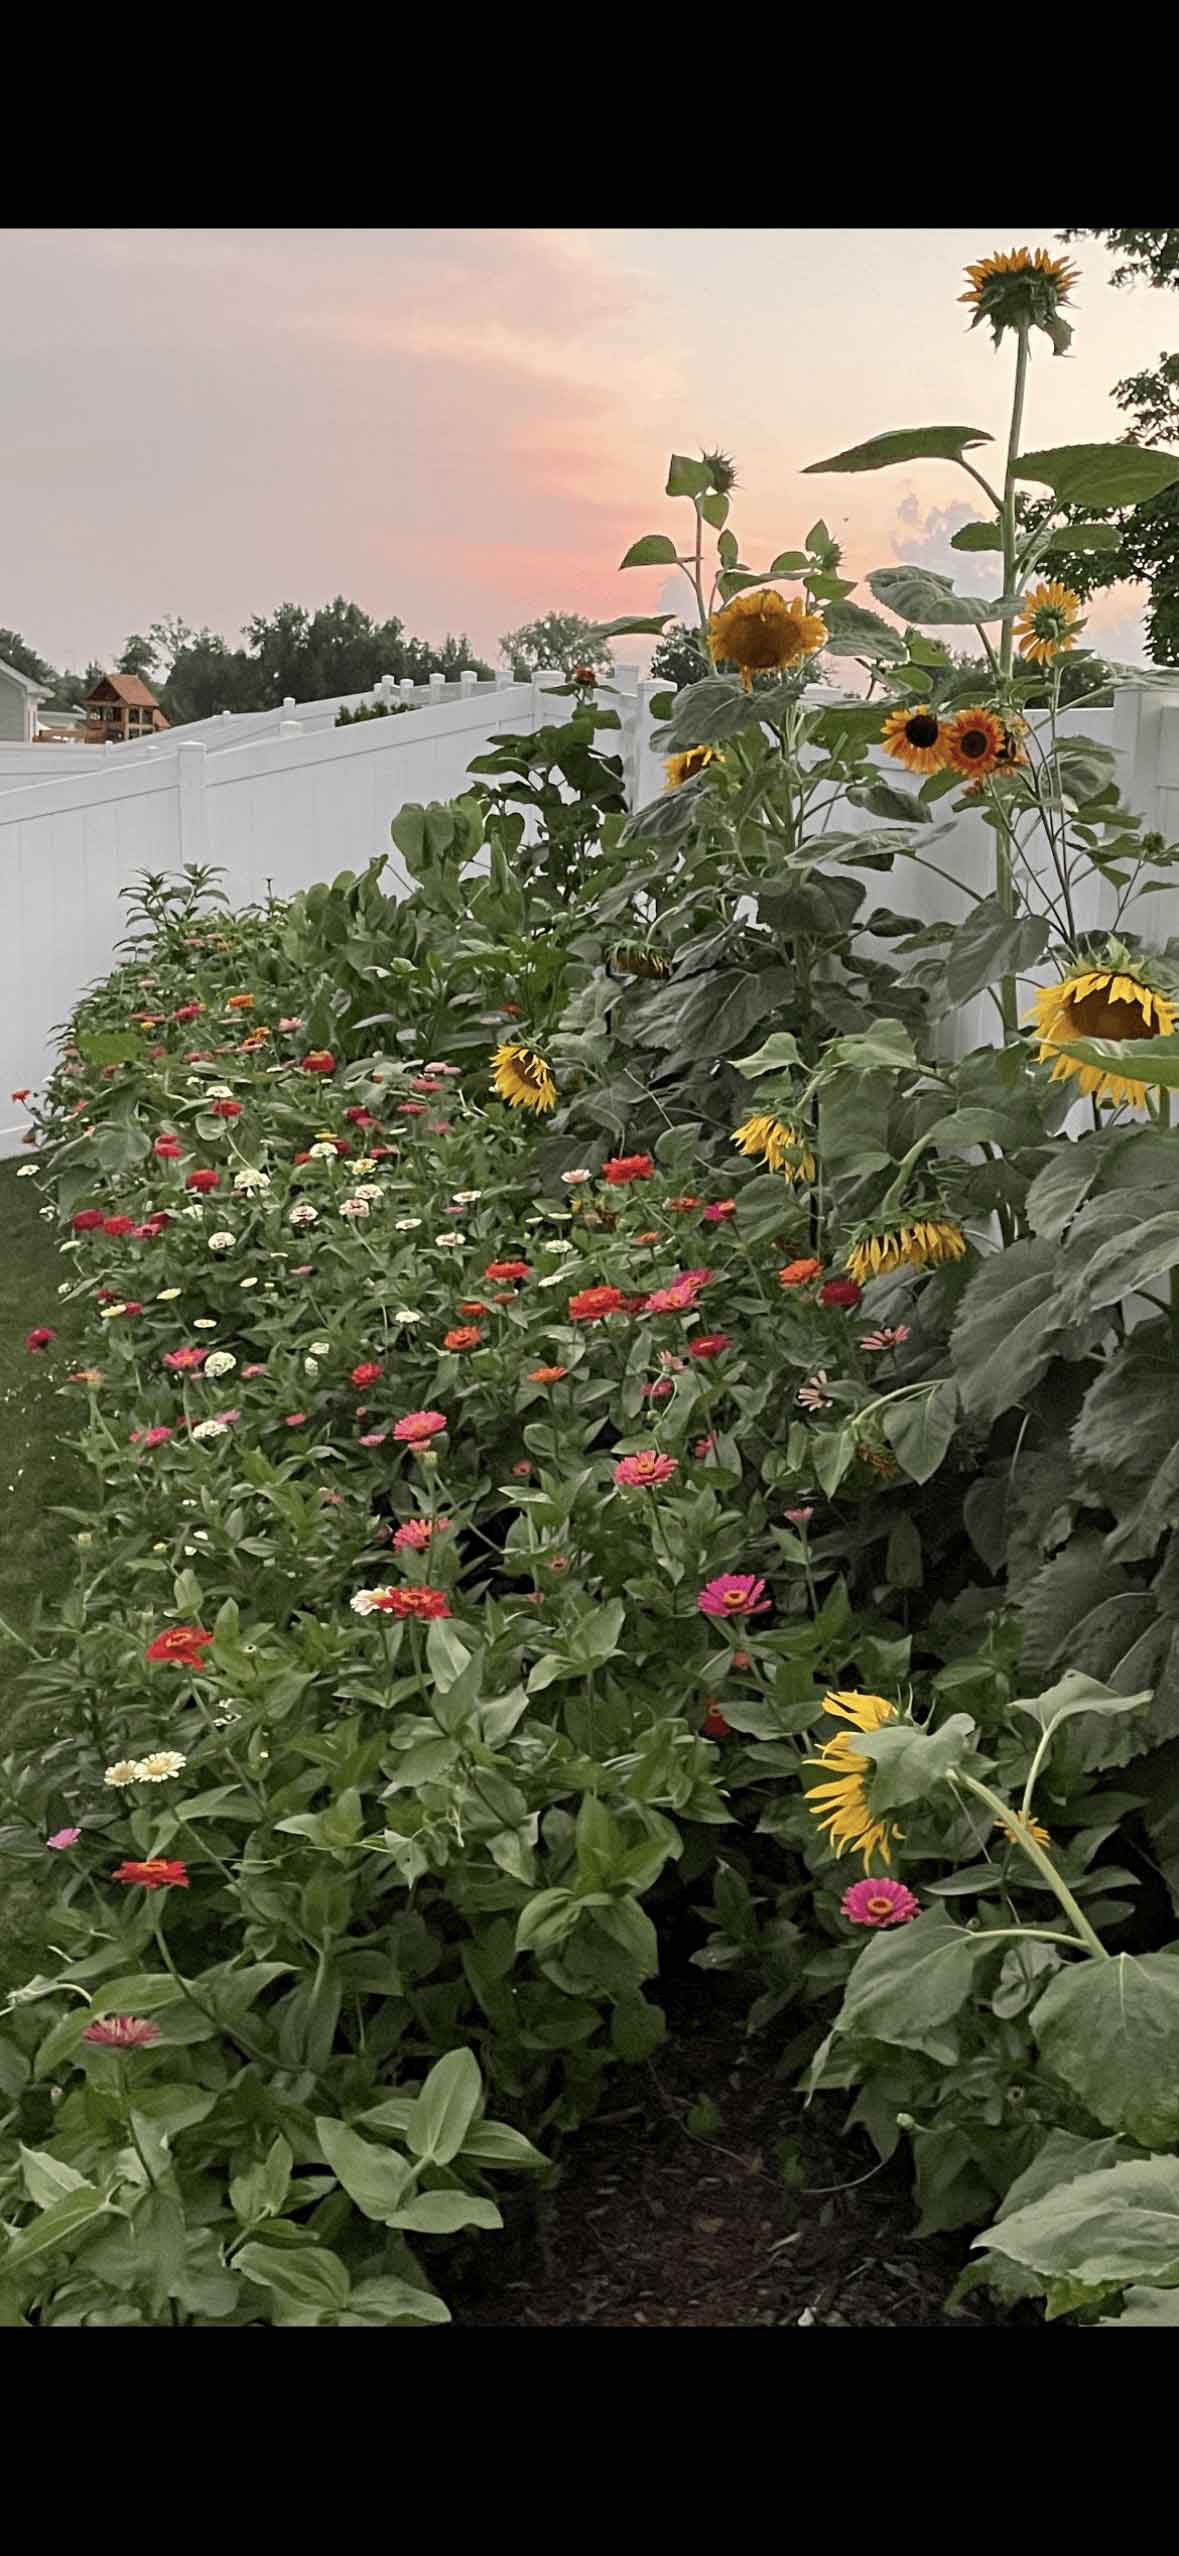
(647,1468)
(179,1359)
(415,1535)
(63,1837)
(734,1593)
(294,1419)
(799,1517)
(681,1296)
(153,1437)
(720,1211)
(709,1344)
(879,1903)
(889,1336)
(703,1447)
(122,2032)
(419,1425)
(373,1438)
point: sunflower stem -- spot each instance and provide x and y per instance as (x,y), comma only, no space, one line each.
(1011,1819)
(1004,878)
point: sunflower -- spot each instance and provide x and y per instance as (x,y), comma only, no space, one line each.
(521,1077)
(1011,753)
(917,738)
(630,959)
(923,1241)
(1022,288)
(843,1801)
(1101,1002)
(975,743)
(684,767)
(761,634)
(766,1139)
(1048,623)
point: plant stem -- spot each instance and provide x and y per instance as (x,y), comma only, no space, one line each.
(1009,1818)
(1004,881)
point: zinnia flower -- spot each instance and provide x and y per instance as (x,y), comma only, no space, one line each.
(424,1605)
(156,1874)
(320,1060)
(844,1293)
(923,1242)
(61,1838)
(419,1426)
(546,1375)
(1100,1002)
(87,1220)
(466,1335)
(182,1646)
(917,738)
(622,1168)
(592,1304)
(714,1725)
(227,1109)
(975,743)
(646,1469)
(181,1360)
(221,1362)
(759,633)
(684,767)
(522,1077)
(161,1766)
(1042,1835)
(797,1272)
(508,1269)
(117,1226)
(709,1344)
(843,1801)
(765,1139)
(122,2032)
(879,1903)
(40,1338)
(416,1533)
(681,1296)
(168,1148)
(720,1211)
(203,1180)
(734,1593)
(1047,626)
(124,1771)
(369,1372)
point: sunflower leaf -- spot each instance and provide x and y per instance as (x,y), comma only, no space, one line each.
(708,712)
(1100,474)
(906,1987)
(905,443)
(977,537)
(989,944)
(853,631)
(655,550)
(1084,537)
(916,594)
(910,1764)
(1109,2029)
(1009,1327)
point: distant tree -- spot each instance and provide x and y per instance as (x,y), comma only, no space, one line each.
(558,643)
(168,638)
(138,656)
(208,676)
(16,652)
(1147,548)
(1148,257)
(680,657)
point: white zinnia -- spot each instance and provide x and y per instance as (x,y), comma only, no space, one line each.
(222,1242)
(124,1771)
(210,1429)
(222,1363)
(405,1313)
(358,1207)
(449,1242)
(161,1766)
(406,1224)
(304,1214)
(365,1601)
(249,1177)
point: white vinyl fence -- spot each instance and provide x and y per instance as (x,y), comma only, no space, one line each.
(279,801)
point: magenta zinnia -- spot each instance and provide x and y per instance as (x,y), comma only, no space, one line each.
(879,1903)
(122,2032)
(649,1467)
(734,1593)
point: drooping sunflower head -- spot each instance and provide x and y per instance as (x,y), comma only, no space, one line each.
(631,959)
(722,471)
(760,634)
(1100,1002)
(684,767)
(770,1140)
(1022,288)
(921,1238)
(1048,624)
(841,1805)
(521,1077)
(975,743)
(917,738)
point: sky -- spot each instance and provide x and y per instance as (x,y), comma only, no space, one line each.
(467,428)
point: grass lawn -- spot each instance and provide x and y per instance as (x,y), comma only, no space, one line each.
(36,1471)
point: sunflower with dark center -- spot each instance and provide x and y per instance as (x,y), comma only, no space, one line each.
(917,738)
(760,634)
(1100,1002)
(684,767)
(975,743)
(522,1077)
(1048,624)
(1021,288)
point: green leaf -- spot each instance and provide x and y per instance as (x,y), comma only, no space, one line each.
(1075,1693)
(977,537)
(1105,1275)
(1110,2029)
(633,625)
(853,631)
(1147,2307)
(109,1047)
(495,2143)
(390,2301)
(909,1763)
(904,444)
(445,2108)
(918,595)
(920,1430)
(637,2029)
(887,1044)
(1120,2224)
(1084,537)
(655,550)
(306,2277)
(789,563)
(687,478)
(371,2176)
(1009,1326)
(443,2213)
(774,1055)
(907,1986)
(1100,474)
(709,712)
(55,2226)
(1154,1061)
(989,944)
(47,2177)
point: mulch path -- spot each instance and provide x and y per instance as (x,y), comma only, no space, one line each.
(654,2224)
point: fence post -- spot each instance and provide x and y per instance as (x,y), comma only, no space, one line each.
(503,682)
(386,688)
(468,682)
(290,727)
(190,790)
(437,687)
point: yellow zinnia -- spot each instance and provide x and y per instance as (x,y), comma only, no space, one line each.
(923,1243)
(684,767)
(1101,1002)
(522,1078)
(1047,624)
(760,633)
(917,738)
(844,1800)
(766,1139)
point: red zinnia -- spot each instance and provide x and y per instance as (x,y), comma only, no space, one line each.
(719,1213)
(87,1220)
(156,1874)
(842,1292)
(467,1335)
(227,1109)
(320,1060)
(369,1372)
(182,1646)
(593,1303)
(117,1226)
(709,1344)
(182,1359)
(714,1725)
(624,1167)
(168,1148)
(508,1269)
(361,1117)
(40,1338)
(203,1180)
(425,1605)
(188,1012)
(417,1426)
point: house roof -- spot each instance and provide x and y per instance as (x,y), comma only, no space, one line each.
(126,687)
(40,691)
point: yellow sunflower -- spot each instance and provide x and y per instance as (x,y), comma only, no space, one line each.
(766,1139)
(975,743)
(1034,265)
(924,1242)
(916,738)
(1100,1002)
(522,1078)
(1048,623)
(760,633)
(1043,1836)
(684,767)
(843,1801)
